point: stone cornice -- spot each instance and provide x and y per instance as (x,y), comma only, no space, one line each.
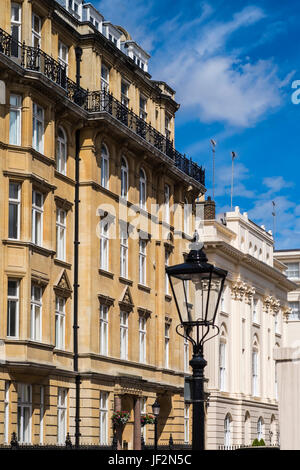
(251,262)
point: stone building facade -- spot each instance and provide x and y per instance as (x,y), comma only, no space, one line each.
(242,382)
(86,145)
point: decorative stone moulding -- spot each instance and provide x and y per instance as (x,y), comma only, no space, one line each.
(240,289)
(271,304)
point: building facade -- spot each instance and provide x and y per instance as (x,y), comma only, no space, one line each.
(87,148)
(242,381)
(288,356)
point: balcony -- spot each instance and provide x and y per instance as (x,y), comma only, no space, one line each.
(34,59)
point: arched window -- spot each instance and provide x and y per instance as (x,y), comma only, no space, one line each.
(143,195)
(273,431)
(124,178)
(104,166)
(247,429)
(227,430)
(260,428)
(255,367)
(61,151)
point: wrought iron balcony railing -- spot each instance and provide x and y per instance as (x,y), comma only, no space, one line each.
(33,58)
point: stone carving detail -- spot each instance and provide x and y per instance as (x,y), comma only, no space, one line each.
(270,304)
(240,289)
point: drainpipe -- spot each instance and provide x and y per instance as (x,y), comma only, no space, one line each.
(78,52)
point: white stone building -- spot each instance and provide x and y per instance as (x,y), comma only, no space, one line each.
(241,368)
(288,357)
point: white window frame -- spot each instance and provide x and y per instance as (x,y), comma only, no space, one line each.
(222,366)
(104,167)
(124,335)
(16,300)
(167,127)
(103,418)
(167,345)
(63,61)
(186,424)
(60,322)
(260,429)
(167,262)
(295,314)
(143,189)
(36,313)
(15,128)
(13,202)
(24,413)
(61,230)
(143,107)
(37,218)
(104,245)
(103,333)
(293,270)
(142,339)
(42,410)
(104,78)
(142,262)
(61,151)
(167,204)
(38,118)
(255,318)
(6,412)
(186,216)
(143,401)
(36,35)
(124,178)
(255,373)
(17,24)
(124,254)
(62,408)
(227,431)
(186,354)
(124,96)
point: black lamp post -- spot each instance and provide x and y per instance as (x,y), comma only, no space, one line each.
(155,411)
(196,321)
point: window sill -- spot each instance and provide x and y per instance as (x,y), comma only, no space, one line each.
(105,273)
(126,281)
(41,250)
(63,177)
(62,263)
(144,288)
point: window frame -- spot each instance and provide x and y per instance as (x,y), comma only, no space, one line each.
(124,178)
(142,340)
(142,262)
(61,151)
(103,417)
(10,299)
(104,166)
(36,304)
(24,403)
(62,411)
(60,323)
(61,229)
(124,254)
(36,35)
(167,345)
(104,245)
(143,189)
(124,335)
(14,202)
(37,120)
(103,330)
(37,227)
(17,109)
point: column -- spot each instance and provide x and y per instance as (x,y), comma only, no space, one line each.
(137,424)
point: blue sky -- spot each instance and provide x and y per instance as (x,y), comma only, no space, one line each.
(232,64)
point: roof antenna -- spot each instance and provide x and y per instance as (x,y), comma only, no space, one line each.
(213,148)
(233,156)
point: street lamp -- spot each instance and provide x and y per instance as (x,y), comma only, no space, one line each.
(155,411)
(196,321)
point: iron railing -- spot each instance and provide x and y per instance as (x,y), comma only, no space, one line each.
(33,58)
